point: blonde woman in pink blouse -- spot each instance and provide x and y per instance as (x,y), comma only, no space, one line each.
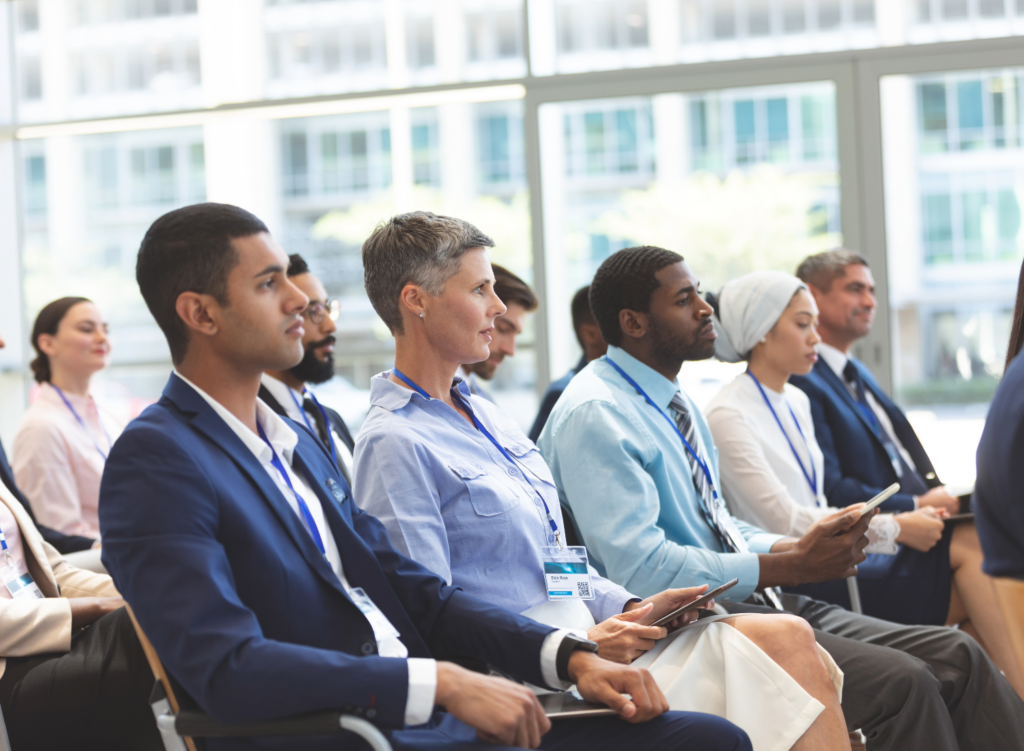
(64,439)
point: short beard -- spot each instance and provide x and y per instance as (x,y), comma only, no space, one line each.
(672,350)
(312,370)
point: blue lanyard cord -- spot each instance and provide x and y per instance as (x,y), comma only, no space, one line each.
(305,419)
(456,396)
(8,560)
(812,478)
(110,444)
(303,508)
(703,464)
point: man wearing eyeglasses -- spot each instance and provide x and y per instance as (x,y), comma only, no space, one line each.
(286,392)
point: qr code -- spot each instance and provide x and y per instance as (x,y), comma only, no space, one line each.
(583,589)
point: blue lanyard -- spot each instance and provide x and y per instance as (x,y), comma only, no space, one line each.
(812,479)
(479,426)
(303,508)
(703,464)
(7,553)
(327,423)
(85,427)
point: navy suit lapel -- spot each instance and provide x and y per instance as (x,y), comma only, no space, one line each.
(210,424)
(836,384)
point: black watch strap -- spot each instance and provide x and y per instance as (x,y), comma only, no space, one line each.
(570,644)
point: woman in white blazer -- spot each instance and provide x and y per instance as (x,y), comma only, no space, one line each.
(72,672)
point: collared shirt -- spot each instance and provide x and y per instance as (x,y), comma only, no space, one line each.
(453,503)
(475,387)
(57,464)
(837,360)
(621,468)
(422,672)
(12,533)
(292,400)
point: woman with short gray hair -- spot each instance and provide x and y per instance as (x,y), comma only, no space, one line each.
(463,491)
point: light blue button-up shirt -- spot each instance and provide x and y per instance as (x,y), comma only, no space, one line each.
(452,502)
(621,468)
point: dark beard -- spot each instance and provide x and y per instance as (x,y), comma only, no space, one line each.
(672,350)
(312,370)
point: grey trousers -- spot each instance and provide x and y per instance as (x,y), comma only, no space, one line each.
(912,687)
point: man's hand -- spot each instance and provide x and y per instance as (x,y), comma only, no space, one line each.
(605,683)
(921,529)
(622,638)
(830,549)
(87,610)
(939,498)
(502,712)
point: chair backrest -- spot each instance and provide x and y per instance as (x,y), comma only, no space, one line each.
(158,672)
(572,532)
(1010,596)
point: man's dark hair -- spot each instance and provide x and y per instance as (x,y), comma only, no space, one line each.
(189,250)
(581,312)
(625,281)
(822,269)
(297,265)
(510,288)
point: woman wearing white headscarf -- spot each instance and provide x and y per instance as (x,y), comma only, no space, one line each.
(772,466)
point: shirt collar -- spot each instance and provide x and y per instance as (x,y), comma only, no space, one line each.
(660,389)
(284,395)
(387,394)
(281,437)
(833,357)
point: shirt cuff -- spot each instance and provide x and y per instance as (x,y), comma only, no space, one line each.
(419,704)
(762,542)
(743,566)
(549,657)
(917,503)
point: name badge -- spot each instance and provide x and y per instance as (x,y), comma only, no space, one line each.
(566,573)
(382,627)
(336,490)
(19,581)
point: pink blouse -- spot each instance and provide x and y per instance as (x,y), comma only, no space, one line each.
(58,462)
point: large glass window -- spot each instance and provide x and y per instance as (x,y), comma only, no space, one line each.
(677,170)
(954,183)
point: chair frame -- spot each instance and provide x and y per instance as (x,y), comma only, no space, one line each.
(179,728)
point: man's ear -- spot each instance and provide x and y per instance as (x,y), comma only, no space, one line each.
(633,324)
(201,313)
(590,333)
(816,293)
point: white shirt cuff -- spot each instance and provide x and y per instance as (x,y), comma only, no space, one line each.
(419,704)
(549,657)
(917,503)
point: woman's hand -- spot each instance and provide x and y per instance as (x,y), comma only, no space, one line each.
(921,529)
(622,638)
(87,610)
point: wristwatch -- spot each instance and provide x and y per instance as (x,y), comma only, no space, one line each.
(570,644)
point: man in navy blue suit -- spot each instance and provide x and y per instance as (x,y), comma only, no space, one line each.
(866,438)
(263,587)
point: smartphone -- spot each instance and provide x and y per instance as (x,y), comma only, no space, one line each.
(880,498)
(704,598)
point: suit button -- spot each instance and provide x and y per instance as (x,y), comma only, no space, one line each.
(371,713)
(368,648)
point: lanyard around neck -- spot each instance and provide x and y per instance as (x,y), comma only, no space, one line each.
(78,418)
(305,419)
(456,396)
(701,462)
(303,508)
(8,560)
(812,476)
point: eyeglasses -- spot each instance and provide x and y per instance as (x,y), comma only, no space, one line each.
(316,311)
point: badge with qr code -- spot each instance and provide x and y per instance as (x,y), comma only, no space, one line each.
(566,573)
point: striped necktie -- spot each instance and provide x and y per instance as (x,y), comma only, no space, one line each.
(714,508)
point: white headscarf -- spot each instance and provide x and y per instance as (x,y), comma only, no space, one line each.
(747,309)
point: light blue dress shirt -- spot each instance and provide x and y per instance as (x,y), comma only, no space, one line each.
(453,503)
(621,468)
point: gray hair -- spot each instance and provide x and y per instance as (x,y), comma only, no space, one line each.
(418,248)
(821,269)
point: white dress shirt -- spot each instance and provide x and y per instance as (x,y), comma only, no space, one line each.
(837,360)
(419,704)
(292,400)
(762,481)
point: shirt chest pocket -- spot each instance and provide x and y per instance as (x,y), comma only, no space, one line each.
(531,463)
(488,497)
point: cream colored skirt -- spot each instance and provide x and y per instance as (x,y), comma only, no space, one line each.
(711,667)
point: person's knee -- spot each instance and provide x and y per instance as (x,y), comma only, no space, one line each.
(705,731)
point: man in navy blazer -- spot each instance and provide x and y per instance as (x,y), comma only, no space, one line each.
(866,438)
(263,587)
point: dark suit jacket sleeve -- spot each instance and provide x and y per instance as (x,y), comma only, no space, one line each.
(842,490)
(547,404)
(160,543)
(465,626)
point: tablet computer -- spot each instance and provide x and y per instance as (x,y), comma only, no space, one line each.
(703,599)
